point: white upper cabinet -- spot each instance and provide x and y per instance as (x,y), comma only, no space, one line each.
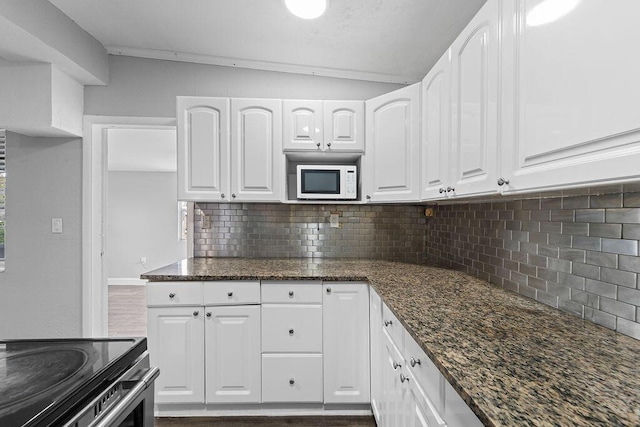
(323,126)
(344,126)
(474,93)
(436,127)
(203,148)
(391,170)
(256,165)
(571,90)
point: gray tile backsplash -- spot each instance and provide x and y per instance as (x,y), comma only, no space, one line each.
(576,253)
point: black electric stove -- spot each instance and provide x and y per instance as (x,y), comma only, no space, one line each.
(46,382)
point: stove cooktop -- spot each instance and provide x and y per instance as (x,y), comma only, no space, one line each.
(42,379)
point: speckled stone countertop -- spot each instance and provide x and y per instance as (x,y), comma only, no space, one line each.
(513,360)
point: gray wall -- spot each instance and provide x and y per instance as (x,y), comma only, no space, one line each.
(148,87)
(41,286)
(142,220)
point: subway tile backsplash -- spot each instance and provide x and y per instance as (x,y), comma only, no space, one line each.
(255,230)
(576,253)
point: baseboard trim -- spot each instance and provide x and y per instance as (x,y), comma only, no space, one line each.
(118,281)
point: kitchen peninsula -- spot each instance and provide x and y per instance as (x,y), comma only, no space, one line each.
(514,361)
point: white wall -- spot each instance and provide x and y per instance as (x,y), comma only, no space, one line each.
(148,87)
(142,220)
(40,290)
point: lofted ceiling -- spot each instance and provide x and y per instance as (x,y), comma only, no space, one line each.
(379,40)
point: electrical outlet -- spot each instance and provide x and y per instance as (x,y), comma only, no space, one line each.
(334,220)
(428,212)
(56,225)
(206,222)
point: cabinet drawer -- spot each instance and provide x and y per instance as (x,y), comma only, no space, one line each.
(291,328)
(174,293)
(292,378)
(231,292)
(392,325)
(425,372)
(309,292)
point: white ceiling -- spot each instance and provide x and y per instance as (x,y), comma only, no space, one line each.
(380,40)
(141,150)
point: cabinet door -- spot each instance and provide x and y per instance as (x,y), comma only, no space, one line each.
(394,404)
(344,126)
(392,160)
(302,125)
(475,72)
(420,411)
(345,331)
(203,148)
(376,349)
(571,91)
(436,125)
(233,357)
(176,346)
(256,157)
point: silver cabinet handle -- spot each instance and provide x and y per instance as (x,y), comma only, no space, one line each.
(329,290)
(449,189)
(196,313)
(329,144)
(403,378)
(172,295)
(290,331)
(291,381)
(388,322)
(222,195)
(291,294)
(368,197)
(441,190)
(502,181)
(208,314)
(318,144)
(396,365)
(233,195)
(414,362)
(229,294)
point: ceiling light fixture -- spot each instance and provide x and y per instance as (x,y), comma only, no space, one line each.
(306,9)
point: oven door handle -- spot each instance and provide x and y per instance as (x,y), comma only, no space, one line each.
(131,399)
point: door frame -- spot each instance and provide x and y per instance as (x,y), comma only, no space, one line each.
(94,179)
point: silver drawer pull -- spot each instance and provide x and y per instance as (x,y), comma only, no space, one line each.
(172,295)
(388,322)
(328,290)
(196,313)
(229,294)
(291,381)
(208,314)
(396,365)
(291,294)
(414,362)
(403,378)
(290,331)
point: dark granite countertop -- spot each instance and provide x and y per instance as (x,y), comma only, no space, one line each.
(513,360)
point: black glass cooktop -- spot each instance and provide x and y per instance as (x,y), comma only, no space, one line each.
(42,379)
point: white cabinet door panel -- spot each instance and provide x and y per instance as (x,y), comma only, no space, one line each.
(292,377)
(392,161)
(203,148)
(256,160)
(436,125)
(571,91)
(475,73)
(176,346)
(375,332)
(302,124)
(346,343)
(344,126)
(289,328)
(233,357)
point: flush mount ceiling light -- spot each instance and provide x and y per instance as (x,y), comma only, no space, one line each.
(549,11)
(306,9)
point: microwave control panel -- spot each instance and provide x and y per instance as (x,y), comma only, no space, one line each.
(351,183)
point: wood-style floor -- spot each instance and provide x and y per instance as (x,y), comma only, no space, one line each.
(128,318)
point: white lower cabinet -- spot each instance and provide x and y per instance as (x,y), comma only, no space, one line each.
(176,346)
(292,378)
(346,342)
(232,349)
(375,349)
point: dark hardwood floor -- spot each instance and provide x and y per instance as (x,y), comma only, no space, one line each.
(315,421)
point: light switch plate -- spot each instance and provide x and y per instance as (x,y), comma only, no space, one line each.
(334,220)
(56,225)
(206,222)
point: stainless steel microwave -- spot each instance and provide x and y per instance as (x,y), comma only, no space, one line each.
(327,182)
